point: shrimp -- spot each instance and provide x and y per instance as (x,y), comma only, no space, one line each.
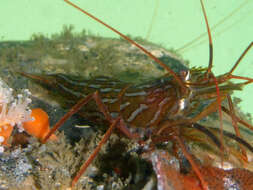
(162,108)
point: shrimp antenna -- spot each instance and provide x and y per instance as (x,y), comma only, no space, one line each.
(176,77)
(210,64)
(208,72)
(207,132)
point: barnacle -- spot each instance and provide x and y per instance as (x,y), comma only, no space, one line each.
(13,112)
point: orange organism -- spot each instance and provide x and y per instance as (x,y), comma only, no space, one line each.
(39,126)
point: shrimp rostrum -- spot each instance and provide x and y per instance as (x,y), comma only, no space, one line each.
(166,109)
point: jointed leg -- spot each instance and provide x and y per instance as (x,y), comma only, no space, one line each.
(240,58)
(71,112)
(235,125)
(193,164)
(238,119)
(229,75)
(95,152)
(118,122)
(102,108)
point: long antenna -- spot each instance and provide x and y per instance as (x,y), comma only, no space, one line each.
(210,64)
(176,77)
(208,73)
(199,39)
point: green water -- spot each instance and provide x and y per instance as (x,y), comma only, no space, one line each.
(176,23)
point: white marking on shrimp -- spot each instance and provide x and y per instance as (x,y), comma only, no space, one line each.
(187,76)
(72,81)
(123,106)
(101,79)
(107,80)
(77,94)
(117,90)
(105,89)
(142,93)
(163,102)
(137,111)
(109,100)
(95,86)
(144,86)
(182,104)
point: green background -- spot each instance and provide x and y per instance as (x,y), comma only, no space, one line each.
(176,23)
